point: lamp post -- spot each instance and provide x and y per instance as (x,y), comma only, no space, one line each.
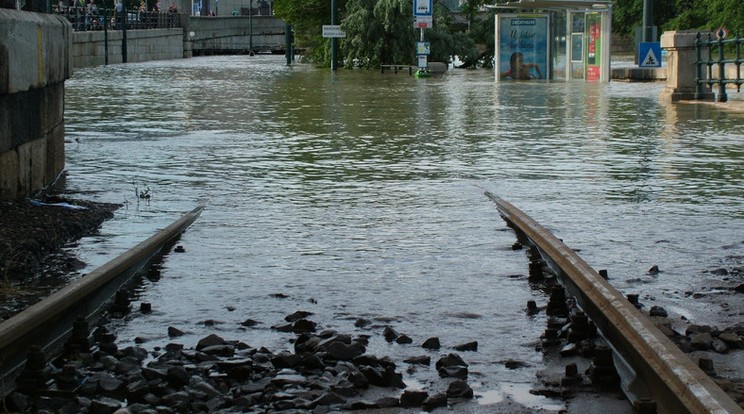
(648,21)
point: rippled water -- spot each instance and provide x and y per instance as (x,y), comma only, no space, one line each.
(360,195)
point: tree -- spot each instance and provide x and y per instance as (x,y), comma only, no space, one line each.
(307,18)
(378,32)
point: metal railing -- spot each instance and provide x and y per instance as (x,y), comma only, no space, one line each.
(83,19)
(717,47)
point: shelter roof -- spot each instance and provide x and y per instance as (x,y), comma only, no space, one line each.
(597,5)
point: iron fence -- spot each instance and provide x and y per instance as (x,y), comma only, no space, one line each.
(86,19)
(717,47)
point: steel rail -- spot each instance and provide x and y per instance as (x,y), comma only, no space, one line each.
(49,322)
(670,377)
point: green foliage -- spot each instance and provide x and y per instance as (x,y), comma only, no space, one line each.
(679,15)
(378,32)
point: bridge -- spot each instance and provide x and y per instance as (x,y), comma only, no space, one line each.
(235,34)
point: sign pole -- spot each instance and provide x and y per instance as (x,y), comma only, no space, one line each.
(334,41)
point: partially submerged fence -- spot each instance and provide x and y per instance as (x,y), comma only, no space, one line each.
(716,56)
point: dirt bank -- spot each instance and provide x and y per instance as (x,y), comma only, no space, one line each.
(32,261)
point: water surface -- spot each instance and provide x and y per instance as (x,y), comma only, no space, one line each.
(360,195)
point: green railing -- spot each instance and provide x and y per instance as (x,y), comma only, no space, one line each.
(717,49)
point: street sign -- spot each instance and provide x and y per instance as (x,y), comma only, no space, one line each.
(423,22)
(333,31)
(649,55)
(721,33)
(423,61)
(423,7)
(423,48)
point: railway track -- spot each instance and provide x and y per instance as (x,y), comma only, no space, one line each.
(47,325)
(658,370)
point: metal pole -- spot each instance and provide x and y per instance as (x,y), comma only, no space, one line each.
(722,97)
(250,28)
(334,41)
(288,42)
(124,31)
(105,33)
(648,21)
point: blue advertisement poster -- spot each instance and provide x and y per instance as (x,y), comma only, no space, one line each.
(522,46)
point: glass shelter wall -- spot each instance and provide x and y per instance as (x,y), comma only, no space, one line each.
(579,33)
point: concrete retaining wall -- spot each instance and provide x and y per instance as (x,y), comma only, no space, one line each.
(88,48)
(34,63)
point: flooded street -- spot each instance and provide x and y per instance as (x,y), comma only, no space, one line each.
(360,195)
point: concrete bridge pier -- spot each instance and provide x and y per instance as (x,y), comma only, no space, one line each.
(34,63)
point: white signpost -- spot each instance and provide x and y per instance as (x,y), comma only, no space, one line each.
(333,31)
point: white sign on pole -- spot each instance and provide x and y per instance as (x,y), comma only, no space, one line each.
(333,31)
(423,22)
(423,61)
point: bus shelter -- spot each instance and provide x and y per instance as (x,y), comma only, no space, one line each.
(553,39)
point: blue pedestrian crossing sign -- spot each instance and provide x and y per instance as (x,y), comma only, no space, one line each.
(649,55)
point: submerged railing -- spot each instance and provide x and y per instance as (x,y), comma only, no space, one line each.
(717,47)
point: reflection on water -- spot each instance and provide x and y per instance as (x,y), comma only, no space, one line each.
(360,195)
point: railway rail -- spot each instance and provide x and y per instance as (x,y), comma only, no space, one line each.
(658,369)
(49,323)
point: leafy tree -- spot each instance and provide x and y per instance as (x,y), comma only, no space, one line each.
(307,18)
(378,32)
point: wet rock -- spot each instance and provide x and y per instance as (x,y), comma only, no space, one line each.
(307,343)
(361,323)
(413,398)
(329,398)
(654,270)
(569,349)
(658,311)
(459,389)
(249,323)
(434,401)
(515,364)
(304,326)
(702,341)
(419,360)
(284,328)
(431,343)
(286,359)
(731,339)
(104,406)
(211,340)
(297,316)
(344,352)
(468,346)
(177,376)
(453,371)
(174,332)
(390,334)
(404,339)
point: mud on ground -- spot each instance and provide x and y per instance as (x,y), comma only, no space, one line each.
(32,235)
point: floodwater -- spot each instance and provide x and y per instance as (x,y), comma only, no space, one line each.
(361,195)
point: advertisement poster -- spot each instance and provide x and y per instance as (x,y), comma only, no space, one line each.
(594,47)
(522,46)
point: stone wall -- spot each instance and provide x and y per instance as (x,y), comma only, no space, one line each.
(34,63)
(89,48)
